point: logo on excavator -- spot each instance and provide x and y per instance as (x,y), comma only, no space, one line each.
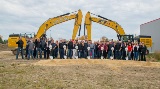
(59,20)
(102,21)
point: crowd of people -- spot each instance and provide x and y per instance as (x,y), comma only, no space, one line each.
(49,48)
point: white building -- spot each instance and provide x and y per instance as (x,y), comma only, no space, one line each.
(152,29)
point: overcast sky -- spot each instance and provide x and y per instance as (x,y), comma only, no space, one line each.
(20,16)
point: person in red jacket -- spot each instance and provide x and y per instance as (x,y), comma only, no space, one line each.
(99,50)
(129,51)
(105,50)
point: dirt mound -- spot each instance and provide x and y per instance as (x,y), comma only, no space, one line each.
(4,47)
(116,63)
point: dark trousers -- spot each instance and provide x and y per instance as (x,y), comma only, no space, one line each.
(135,55)
(19,50)
(34,52)
(82,54)
(100,53)
(132,55)
(105,54)
(53,53)
(124,54)
(48,52)
(114,53)
(30,53)
(117,54)
(26,52)
(85,53)
(139,53)
(38,52)
(96,53)
(79,53)
(143,56)
(61,52)
(56,55)
(70,53)
(109,54)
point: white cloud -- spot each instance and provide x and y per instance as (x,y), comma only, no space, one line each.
(26,16)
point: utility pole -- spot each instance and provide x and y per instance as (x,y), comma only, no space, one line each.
(50,33)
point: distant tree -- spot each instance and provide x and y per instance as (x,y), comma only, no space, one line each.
(5,41)
(1,41)
(82,38)
(104,38)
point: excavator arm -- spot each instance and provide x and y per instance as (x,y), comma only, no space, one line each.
(101,20)
(60,19)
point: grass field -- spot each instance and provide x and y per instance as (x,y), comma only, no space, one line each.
(77,74)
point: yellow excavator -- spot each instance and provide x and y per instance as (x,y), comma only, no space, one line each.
(60,19)
(115,26)
(13,38)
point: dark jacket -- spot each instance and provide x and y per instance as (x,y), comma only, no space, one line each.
(61,45)
(27,44)
(123,47)
(135,48)
(110,46)
(143,49)
(117,46)
(96,47)
(43,44)
(85,46)
(38,44)
(79,46)
(20,43)
(54,45)
(140,48)
(70,45)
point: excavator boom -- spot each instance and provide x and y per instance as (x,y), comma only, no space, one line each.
(115,26)
(13,38)
(104,21)
(60,19)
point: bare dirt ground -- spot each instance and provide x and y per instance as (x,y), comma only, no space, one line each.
(4,47)
(77,74)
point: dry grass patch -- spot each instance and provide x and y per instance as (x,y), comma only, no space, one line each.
(154,57)
(77,74)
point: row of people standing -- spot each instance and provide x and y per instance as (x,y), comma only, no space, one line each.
(83,49)
(117,50)
(41,48)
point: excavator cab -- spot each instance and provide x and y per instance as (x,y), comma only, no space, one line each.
(147,40)
(13,38)
(125,38)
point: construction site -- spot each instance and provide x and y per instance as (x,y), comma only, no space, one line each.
(41,59)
